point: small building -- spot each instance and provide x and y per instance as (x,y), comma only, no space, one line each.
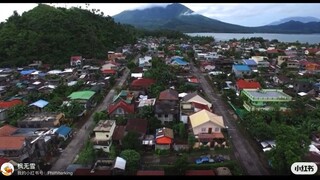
(164,138)
(64,132)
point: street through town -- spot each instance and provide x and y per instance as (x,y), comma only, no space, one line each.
(242,149)
(79,138)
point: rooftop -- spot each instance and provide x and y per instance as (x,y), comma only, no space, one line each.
(104,125)
(266,94)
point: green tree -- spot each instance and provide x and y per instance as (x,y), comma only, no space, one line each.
(87,155)
(132,141)
(191,141)
(133,160)
(181,164)
(72,110)
(291,146)
(182,130)
(16,113)
(97,116)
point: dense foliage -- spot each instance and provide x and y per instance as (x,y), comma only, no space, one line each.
(52,35)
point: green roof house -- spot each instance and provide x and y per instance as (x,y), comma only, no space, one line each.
(264,99)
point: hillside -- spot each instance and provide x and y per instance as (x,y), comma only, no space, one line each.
(300,19)
(54,34)
(175,17)
(180,18)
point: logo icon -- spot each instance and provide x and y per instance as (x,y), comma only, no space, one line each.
(7,169)
(304,168)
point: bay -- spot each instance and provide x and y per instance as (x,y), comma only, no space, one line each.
(302,38)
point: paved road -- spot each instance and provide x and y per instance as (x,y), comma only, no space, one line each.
(69,153)
(243,150)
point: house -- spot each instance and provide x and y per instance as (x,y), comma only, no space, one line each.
(251,63)
(164,138)
(120,108)
(206,122)
(41,120)
(180,62)
(293,64)
(76,60)
(195,97)
(145,62)
(83,97)
(4,105)
(282,59)
(126,95)
(15,148)
(263,99)
(302,85)
(118,134)
(240,70)
(243,84)
(64,132)
(40,104)
(137,125)
(146,102)
(103,135)
(167,106)
(261,61)
(141,84)
(281,80)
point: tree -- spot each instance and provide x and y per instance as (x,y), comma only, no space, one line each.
(181,164)
(87,154)
(191,141)
(132,141)
(72,110)
(97,116)
(291,146)
(182,130)
(16,113)
(133,159)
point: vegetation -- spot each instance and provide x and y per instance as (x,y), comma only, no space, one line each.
(133,158)
(16,113)
(132,141)
(87,154)
(54,34)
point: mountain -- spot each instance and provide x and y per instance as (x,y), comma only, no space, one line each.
(178,17)
(293,27)
(175,17)
(300,19)
(53,35)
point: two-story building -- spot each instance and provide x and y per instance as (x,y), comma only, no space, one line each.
(264,99)
(103,135)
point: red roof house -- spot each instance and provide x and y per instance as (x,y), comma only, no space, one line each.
(243,84)
(141,83)
(121,108)
(169,94)
(12,142)
(7,130)
(10,104)
(199,106)
(137,125)
(164,136)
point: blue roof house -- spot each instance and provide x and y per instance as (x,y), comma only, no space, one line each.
(40,104)
(241,69)
(64,132)
(179,61)
(251,63)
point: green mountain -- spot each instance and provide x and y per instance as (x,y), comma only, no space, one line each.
(178,17)
(54,34)
(174,17)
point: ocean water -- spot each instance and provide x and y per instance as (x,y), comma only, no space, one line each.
(302,38)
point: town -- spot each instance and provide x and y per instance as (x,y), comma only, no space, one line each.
(165,106)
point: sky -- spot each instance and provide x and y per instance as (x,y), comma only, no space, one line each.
(245,14)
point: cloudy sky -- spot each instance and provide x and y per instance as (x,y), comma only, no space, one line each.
(246,14)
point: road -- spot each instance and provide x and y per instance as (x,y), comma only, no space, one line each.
(79,138)
(243,150)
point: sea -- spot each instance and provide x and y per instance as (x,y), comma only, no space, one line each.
(302,38)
